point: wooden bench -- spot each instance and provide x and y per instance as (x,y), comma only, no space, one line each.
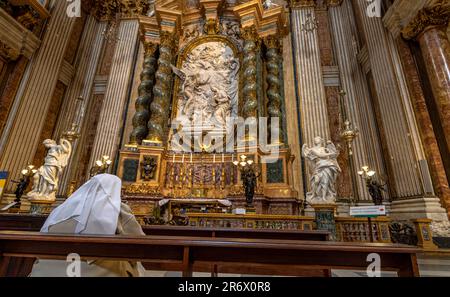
(280,257)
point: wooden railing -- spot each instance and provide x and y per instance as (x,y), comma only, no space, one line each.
(358,229)
(348,229)
(252,221)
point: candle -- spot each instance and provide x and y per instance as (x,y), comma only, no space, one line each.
(173,159)
(232,158)
(182,159)
(214,158)
(191,157)
(223,158)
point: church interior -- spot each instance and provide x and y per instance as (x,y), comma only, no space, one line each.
(225,137)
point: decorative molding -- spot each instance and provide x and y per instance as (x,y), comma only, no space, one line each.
(331,76)
(108,9)
(314,3)
(8,53)
(100,83)
(438,15)
(15,39)
(66,73)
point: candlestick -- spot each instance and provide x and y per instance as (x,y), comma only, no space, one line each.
(223,158)
(182,159)
(214,158)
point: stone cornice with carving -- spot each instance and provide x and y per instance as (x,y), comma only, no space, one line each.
(108,9)
(438,15)
(314,3)
(16,40)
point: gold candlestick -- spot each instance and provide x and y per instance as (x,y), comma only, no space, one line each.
(222,178)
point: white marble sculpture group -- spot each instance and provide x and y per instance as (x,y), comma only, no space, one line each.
(325,170)
(209,85)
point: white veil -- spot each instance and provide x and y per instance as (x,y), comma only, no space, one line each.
(93,209)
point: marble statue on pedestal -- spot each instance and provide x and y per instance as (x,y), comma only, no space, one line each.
(325,171)
(45,180)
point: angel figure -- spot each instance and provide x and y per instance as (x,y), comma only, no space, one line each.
(269,4)
(45,180)
(221,105)
(325,171)
(192,90)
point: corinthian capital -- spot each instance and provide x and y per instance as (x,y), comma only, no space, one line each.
(437,15)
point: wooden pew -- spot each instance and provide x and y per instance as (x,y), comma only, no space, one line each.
(187,252)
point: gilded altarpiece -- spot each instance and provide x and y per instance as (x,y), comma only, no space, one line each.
(221,67)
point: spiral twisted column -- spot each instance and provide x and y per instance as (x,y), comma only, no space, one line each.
(159,108)
(142,115)
(273,57)
(250,104)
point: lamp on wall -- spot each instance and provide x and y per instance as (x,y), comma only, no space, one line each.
(374,187)
(101,166)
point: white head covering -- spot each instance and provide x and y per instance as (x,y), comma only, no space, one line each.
(93,209)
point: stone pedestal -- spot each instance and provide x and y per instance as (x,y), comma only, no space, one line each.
(418,208)
(41,207)
(324,218)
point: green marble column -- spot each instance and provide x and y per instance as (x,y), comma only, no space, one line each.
(274,97)
(142,115)
(159,108)
(250,105)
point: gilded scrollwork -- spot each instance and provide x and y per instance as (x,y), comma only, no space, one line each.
(142,115)
(142,188)
(190,33)
(230,29)
(211,27)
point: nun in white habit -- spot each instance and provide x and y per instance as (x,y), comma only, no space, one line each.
(95,208)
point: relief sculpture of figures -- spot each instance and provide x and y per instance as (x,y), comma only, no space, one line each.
(45,180)
(325,171)
(209,88)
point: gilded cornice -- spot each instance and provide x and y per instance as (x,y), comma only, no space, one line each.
(267,22)
(437,15)
(314,3)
